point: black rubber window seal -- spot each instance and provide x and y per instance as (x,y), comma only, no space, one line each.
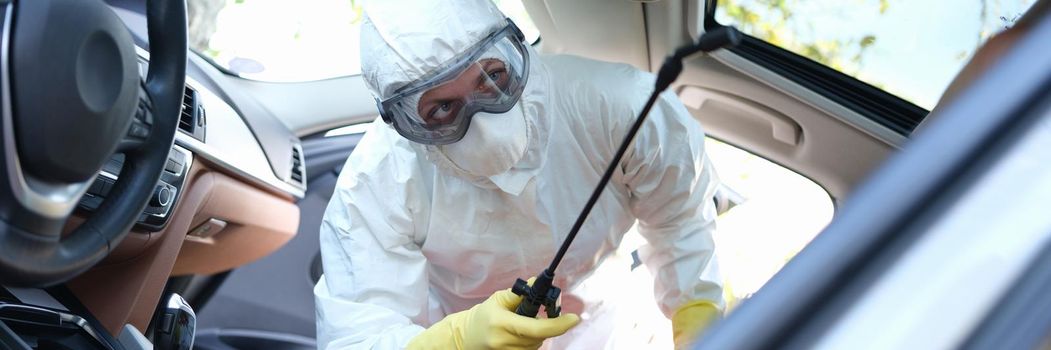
(869,101)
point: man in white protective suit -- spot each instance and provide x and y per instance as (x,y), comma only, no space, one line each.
(484,156)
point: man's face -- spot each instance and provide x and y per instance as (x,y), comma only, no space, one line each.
(486,78)
(438,107)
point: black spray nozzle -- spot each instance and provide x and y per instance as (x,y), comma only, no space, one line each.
(712,40)
(541,293)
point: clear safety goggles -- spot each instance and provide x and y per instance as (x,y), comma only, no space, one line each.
(488,77)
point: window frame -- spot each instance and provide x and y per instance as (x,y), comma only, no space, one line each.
(1022,319)
(884,108)
(893,209)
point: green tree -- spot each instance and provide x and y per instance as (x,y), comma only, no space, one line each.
(202,15)
(774,20)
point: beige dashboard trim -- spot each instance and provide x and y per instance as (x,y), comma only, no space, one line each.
(256,225)
(126,287)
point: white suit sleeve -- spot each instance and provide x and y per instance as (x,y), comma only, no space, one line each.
(374,292)
(672,185)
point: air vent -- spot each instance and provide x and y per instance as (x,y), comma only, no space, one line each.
(297,164)
(187,118)
(191,116)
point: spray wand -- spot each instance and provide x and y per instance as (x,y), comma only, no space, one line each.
(543,292)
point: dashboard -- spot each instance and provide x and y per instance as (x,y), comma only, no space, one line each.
(227,195)
(213,130)
(271,158)
(231,132)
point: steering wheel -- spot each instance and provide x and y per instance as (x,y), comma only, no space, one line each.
(72,97)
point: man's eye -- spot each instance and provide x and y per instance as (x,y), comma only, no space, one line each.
(495,78)
(442,113)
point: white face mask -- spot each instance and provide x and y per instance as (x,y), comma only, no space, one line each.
(493,144)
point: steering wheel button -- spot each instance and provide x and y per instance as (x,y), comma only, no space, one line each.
(107,185)
(140,114)
(139,130)
(144,114)
(90,202)
(96,187)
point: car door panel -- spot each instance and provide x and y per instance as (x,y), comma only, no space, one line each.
(275,294)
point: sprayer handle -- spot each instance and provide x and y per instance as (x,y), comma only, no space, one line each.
(552,303)
(528,307)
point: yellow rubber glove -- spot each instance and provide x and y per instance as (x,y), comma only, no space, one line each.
(493,324)
(690,319)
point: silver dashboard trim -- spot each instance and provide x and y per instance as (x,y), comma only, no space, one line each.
(209,153)
(225,158)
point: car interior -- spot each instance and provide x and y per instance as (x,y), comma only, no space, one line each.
(225,248)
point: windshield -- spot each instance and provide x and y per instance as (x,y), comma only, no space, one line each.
(909,48)
(290,41)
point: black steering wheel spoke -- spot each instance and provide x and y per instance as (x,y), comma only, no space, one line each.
(141,125)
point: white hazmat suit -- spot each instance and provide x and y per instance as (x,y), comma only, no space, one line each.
(410,237)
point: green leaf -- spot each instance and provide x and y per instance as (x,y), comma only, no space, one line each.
(867,41)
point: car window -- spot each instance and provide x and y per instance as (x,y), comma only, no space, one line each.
(357,128)
(909,48)
(286,41)
(780,213)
